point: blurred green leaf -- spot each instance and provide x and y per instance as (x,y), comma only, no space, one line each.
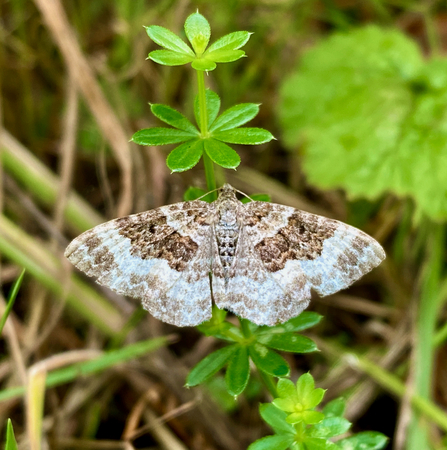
(221,154)
(11,299)
(366,440)
(193,193)
(185,156)
(173,117)
(329,427)
(335,408)
(161,136)
(275,418)
(238,371)
(203,64)
(167,39)
(305,320)
(276,442)
(373,122)
(235,116)
(231,41)
(210,365)
(246,136)
(224,56)
(257,198)
(268,361)
(212,107)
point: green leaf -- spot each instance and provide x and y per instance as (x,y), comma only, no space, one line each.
(308,417)
(198,32)
(221,154)
(224,56)
(212,107)
(330,427)
(383,114)
(257,198)
(304,386)
(210,365)
(169,58)
(276,418)
(161,136)
(289,342)
(268,361)
(193,193)
(366,440)
(185,156)
(319,444)
(235,116)
(11,443)
(11,299)
(230,41)
(335,408)
(286,388)
(305,320)
(167,39)
(246,136)
(203,64)
(238,371)
(173,117)
(314,398)
(276,442)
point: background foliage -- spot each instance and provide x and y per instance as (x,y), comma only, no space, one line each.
(356,95)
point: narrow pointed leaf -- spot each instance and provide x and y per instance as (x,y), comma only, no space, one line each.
(161,136)
(210,365)
(235,116)
(314,398)
(305,320)
(170,58)
(222,154)
(212,107)
(276,442)
(224,56)
(289,342)
(198,32)
(276,418)
(11,443)
(230,41)
(246,136)
(185,156)
(173,117)
(11,299)
(268,361)
(167,39)
(238,371)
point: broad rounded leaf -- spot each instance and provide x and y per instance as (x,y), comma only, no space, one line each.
(209,365)
(289,342)
(235,116)
(224,56)
(304,385)
(203,64)
(198,32)
(305,320)
(335,408)
(173,117)
(161,136)
(169,58)
(314,398)
(212,107)
(311,443)
(286,388)
(185,156)
(238,371)
(276,442)
(167,39)
(285,404)
(382,112)
(268,361)
(221,154)
(366,440)
(330,427)
(276,418)
(230,41)
(246,136)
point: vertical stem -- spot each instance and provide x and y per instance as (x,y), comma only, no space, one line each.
(208,164)
(269,383)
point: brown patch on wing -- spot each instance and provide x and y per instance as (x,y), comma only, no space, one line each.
(301,239)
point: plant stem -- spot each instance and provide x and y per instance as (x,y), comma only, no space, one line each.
(208,164)
(269,383)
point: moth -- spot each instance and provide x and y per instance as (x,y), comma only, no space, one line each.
(259,260)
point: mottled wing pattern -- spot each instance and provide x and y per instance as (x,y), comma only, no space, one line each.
(160,256)
(284,252)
